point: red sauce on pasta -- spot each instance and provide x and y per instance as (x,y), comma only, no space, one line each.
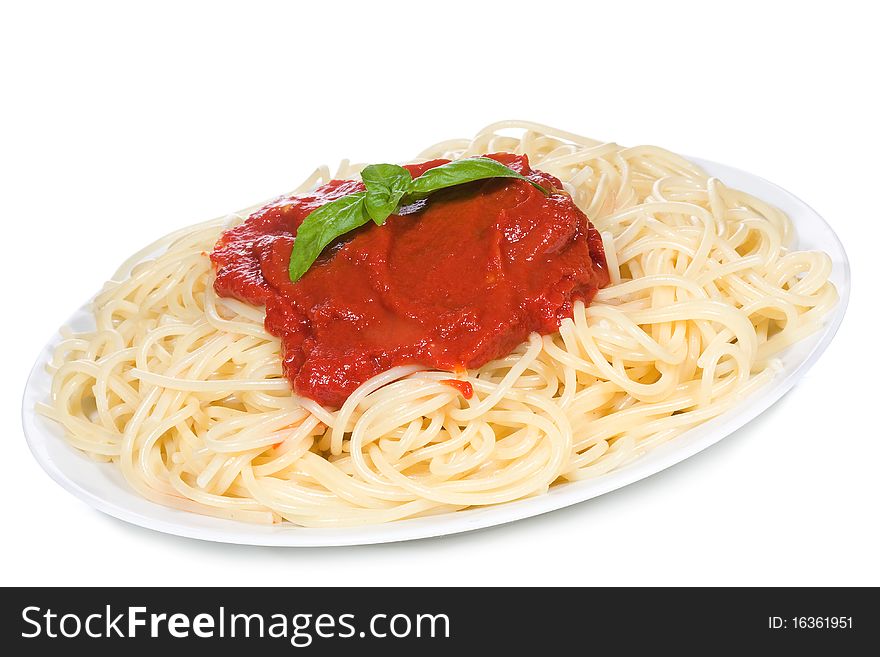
(451,282)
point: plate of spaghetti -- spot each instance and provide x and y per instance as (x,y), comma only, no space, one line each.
(502,326)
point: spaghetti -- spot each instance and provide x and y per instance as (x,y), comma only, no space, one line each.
(184,389)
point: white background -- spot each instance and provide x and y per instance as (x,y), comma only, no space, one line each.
(121,124)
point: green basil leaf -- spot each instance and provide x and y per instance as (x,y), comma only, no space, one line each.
(464,171)
(386,184)
(324,225)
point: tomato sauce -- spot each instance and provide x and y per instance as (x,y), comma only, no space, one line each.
(465,389)
(450,282)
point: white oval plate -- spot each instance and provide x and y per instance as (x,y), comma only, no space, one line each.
(102,484)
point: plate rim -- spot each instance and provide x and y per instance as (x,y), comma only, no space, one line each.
(564,495)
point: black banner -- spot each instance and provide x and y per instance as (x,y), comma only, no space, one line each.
(434,621)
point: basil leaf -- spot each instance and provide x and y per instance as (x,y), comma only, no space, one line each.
(386,184)
(464,171)
(323,226)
